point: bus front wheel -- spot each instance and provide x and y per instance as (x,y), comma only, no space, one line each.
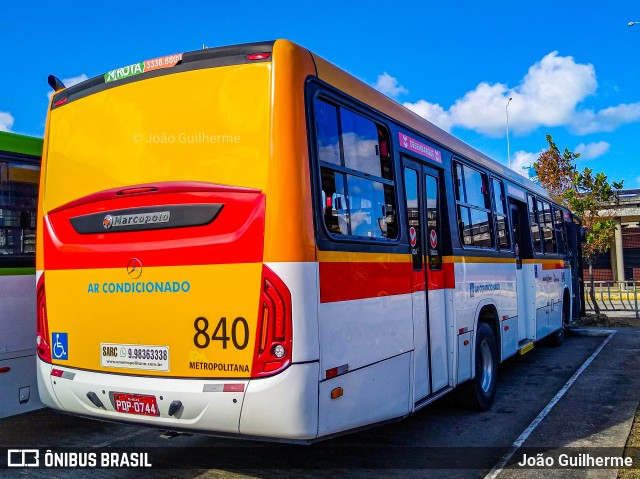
(481,390)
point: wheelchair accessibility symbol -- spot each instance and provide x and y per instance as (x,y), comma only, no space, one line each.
(60,346)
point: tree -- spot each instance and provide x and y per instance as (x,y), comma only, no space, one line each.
(587,194)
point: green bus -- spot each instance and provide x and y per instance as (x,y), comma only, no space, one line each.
(19,178)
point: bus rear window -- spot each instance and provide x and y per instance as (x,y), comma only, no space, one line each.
(18,201)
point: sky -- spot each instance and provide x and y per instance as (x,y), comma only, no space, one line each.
(571,68)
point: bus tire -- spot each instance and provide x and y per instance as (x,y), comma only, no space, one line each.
(556,339)
(481,390)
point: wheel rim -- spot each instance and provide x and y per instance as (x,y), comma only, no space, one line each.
(487,366)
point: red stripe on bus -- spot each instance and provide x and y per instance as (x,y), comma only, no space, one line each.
(554,265)
(344,281)
(443,278)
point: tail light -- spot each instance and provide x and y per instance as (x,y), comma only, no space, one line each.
(42,327)
(275,339)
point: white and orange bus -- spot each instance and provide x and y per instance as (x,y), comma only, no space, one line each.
(19,177)
(249,241)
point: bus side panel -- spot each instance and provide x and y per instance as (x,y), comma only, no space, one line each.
(356,333)
(18,385)
(372,394)
(18,314)
(283,406)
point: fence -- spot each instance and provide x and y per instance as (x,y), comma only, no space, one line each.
(614,296)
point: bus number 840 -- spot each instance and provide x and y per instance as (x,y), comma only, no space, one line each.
(201,339)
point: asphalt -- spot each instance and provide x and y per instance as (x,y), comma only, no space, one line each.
(594,416)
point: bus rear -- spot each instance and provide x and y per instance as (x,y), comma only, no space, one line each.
(156,301)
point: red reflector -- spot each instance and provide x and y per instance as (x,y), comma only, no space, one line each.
(258,56)
(506,328)
(272,366)
(233,388)
(57,373)
(466,342)
(5,370)
(331,373)
(61,101)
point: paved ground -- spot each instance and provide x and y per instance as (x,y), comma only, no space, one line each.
(596,411)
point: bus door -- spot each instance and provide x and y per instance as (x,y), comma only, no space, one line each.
(422,186)
(525,279)
(574,243)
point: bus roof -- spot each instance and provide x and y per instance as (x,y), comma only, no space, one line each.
(25,145)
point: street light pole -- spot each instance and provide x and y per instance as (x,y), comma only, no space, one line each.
(506,109)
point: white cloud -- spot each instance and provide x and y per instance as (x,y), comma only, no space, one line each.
(608,119)
(522,159)
(67,82)
(432,112)
(549,95)
(6,121)
(592,150)
(389,86)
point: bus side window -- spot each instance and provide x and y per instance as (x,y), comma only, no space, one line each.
(18,200)
(535,228)
(356,166)
(501,218)
(561,236)
(549,237)
(474,207)
(335,210)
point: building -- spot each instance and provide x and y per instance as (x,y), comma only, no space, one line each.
(622,263)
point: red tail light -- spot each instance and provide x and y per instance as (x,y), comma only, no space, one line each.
(275,339)
(42,328)
(258,56)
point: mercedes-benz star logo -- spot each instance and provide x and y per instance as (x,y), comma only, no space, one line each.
(134,268)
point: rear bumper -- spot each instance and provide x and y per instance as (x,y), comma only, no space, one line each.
(284,406)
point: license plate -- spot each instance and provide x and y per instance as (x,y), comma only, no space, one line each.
(136,404)
(134,356)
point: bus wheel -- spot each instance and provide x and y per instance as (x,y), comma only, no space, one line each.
(556,339)
(481,390)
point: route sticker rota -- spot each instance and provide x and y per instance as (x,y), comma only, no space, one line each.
(433,239)
(412,236)
(142,67)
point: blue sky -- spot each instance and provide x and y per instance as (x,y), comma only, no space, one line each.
(571,67)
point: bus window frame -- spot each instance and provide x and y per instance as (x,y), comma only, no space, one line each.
(316,89)
(505,205)
(20,260)
(455,159)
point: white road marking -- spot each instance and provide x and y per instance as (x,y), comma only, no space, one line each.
(497,469)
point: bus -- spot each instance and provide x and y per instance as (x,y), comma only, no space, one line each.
(19,178)
(249,241)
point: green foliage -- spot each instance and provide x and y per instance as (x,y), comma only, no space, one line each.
(586,193)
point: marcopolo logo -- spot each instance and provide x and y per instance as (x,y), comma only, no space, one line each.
(154,217)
